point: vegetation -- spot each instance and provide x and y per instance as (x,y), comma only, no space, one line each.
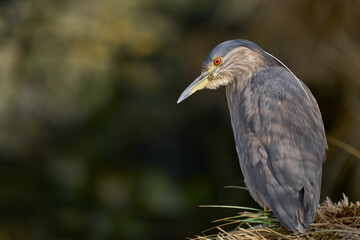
(333,221)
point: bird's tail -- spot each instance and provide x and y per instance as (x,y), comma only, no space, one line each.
(294,211)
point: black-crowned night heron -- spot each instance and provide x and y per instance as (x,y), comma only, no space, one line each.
(278,130)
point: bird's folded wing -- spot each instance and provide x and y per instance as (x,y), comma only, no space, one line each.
(289,128)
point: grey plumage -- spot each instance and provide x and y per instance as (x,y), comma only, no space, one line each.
(278,131)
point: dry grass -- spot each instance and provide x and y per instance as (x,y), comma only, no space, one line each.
(333,221)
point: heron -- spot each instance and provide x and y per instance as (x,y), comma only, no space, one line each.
(278,129)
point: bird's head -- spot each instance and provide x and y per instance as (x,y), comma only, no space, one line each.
(226,62)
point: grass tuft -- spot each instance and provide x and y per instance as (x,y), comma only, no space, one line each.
(332,221)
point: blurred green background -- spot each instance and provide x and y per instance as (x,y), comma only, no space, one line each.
(93,144)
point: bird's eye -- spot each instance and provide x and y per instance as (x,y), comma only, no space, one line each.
(217,61)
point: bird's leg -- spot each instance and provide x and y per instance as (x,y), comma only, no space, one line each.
(266,209)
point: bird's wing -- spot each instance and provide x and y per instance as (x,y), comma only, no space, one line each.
(287,142)
(289,127)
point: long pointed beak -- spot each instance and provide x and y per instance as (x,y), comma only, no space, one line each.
(196,85)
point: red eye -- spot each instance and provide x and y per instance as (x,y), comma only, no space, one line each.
(217,61)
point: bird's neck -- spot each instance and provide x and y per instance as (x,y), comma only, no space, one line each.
(239,82)
(233,94)
(248,63)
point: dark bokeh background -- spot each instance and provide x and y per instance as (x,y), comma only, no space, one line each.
(92,143)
